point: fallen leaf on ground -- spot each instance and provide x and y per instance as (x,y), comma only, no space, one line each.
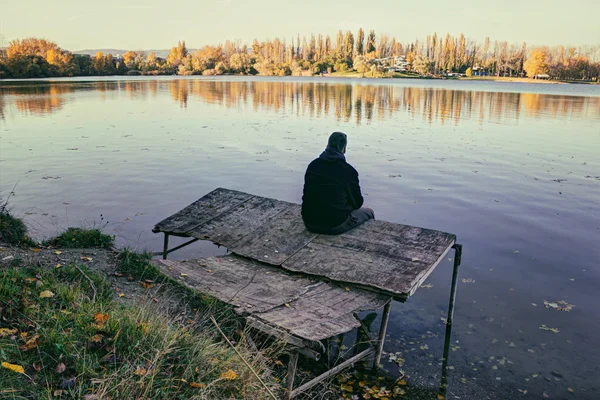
(121,294)
(139,371)
(60,368)
(46,293)
(147,285)
(13,367)
(31,343)
(57,252)
(197,385)
(7,331)
(37,367)
(229,375)
(97,338)
(85,258)
(36,250)
(101,318)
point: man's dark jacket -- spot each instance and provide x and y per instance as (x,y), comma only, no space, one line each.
(331,190)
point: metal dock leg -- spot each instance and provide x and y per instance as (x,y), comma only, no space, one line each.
(457,260)
(166,246)
(382,330)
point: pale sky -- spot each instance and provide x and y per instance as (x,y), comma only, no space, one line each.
(159,24)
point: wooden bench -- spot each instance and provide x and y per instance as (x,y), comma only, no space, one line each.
(298,286)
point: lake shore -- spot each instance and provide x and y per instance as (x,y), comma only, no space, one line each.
(397,75)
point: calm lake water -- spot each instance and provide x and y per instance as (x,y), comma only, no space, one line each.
(512,169)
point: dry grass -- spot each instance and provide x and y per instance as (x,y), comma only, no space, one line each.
(72,347)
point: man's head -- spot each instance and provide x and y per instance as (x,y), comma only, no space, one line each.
(338,141)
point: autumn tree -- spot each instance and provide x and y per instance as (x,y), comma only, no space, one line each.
(360,42)
(422,65)
(177,54)
(537,63)
(371,46)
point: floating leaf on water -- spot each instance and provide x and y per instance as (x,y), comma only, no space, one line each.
(558,305)
(570,390)
(427,286)
(467,280)
(535,375)
(545,328)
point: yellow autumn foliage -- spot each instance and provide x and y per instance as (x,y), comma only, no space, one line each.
(229,375)
(13,367)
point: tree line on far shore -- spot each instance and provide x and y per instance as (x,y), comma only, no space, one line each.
(363,53)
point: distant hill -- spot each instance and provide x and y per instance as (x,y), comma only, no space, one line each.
(159,53)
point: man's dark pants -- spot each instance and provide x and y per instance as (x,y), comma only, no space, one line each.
(355,218)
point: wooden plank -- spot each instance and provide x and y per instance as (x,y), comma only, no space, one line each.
(201,211)
(391,257)
(237,222)
(323,312)
(276,240)
(275,332)
(332,372)
(247,285)
(308,309)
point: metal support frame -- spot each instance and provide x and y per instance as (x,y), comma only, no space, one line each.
(385,316)
(166,249)
(457,259)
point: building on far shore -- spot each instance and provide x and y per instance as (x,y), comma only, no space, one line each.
(393,64)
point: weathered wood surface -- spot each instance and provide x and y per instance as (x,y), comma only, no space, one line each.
(378,255)
(323,311)
(229,227)
(391,257)
(276,240)
(309,309)
(201,211)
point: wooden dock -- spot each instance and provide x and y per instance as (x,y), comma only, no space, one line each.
(299,286)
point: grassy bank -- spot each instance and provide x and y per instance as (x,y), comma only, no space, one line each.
(59,339)
(66,333)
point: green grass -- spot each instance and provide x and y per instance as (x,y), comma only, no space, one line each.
(73,346)
(82,238)
(13,230)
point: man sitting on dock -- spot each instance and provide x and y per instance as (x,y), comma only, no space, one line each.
(332,201)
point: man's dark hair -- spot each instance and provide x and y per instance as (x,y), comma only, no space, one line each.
(338,141)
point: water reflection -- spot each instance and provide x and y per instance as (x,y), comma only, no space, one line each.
(345,101)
